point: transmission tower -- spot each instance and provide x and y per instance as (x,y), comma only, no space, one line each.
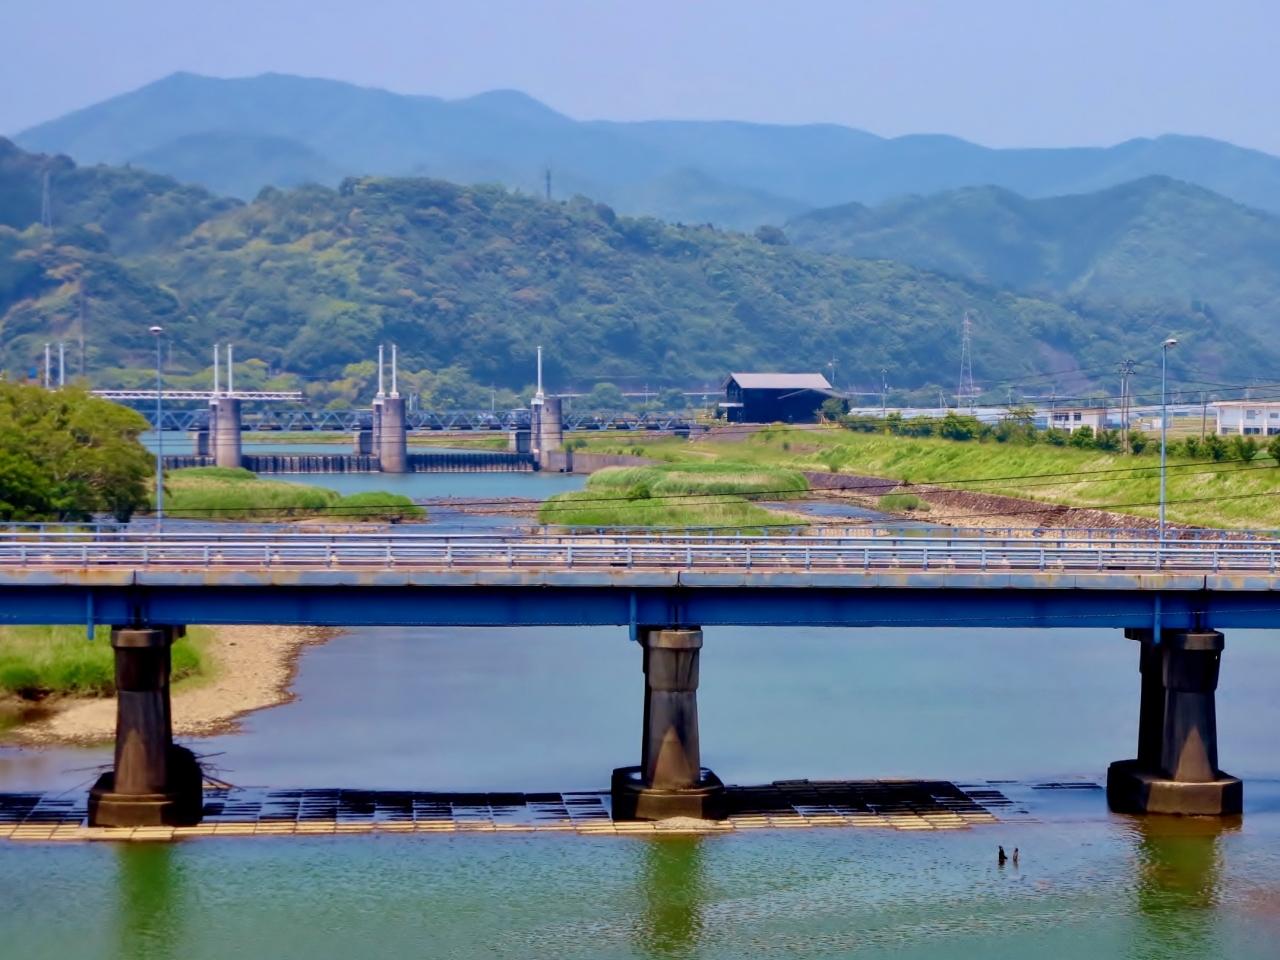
(46,205)
(966,389)
(1125,368)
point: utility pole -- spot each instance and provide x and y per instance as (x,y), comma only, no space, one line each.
(1204,412)
(884,392)
(1125,368)
(546,174)
(84,314)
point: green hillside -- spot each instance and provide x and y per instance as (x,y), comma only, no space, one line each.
(135,210)
(285,130)
(469,280)
(1152,241)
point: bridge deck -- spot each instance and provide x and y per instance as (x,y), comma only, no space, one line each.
(380,579)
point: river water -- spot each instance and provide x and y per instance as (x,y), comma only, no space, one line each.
(556,709)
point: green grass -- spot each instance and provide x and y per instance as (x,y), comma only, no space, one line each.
(1229,494)
(222,493)
(676,495)
(36,662)
(902,503)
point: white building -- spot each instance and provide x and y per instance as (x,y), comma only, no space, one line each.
(1072,419)
(1253,418)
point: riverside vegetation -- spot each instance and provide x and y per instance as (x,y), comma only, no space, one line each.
(225,493)
(1232,491)
(686,494)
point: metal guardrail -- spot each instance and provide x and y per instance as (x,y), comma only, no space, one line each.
(763,555)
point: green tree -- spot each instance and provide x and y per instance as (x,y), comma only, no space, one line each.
(1082,438)
(1273,449)
(604,397)
(1244,448)
(67,455)
(833,408)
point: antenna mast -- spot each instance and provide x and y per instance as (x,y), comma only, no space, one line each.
(46,204)
(966,389)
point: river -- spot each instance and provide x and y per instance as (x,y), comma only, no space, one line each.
(556,709)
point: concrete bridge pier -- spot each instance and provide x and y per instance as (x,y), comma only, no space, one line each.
(154,782)
(670,780)
(224,431)
(1176,770)
(389,436)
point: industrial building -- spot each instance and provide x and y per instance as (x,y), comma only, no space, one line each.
(1072,419)
(774,397)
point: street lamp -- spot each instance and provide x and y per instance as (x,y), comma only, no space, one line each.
(158,332)
(1164,425)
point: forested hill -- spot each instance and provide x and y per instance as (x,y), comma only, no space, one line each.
(1152,241)
(132,210)
(240,134)
(310,280)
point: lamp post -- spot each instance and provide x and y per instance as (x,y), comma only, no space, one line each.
(1164,425)
(158,333)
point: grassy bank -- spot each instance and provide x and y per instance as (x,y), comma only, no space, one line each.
(1229,494)
(220,493)
(678,495)
(37,662)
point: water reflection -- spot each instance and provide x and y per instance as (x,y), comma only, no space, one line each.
(149,895)
(673,878)
(1179,881)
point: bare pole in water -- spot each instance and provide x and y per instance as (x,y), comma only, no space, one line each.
(380,393)
(215,369)
(395,391)
(231,372)
(539,394)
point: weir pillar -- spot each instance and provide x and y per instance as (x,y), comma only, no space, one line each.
(224,431)
(670,780)
(389,436)
(1176,770)
(153,782)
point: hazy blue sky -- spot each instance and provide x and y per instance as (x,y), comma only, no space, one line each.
(1002,72)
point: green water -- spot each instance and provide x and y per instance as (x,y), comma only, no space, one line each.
(1084,889)
(557,708)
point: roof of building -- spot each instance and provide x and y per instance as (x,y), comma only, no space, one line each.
(1257,404)
(781,381)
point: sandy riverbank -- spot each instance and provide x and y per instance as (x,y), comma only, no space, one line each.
(250,667)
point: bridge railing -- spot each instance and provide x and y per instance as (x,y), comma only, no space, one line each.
(573,553)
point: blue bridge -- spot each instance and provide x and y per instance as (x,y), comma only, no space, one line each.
(1173,597)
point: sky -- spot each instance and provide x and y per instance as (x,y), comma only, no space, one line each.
(999,72)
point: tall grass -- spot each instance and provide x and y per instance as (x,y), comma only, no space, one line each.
(36,662)
(1229,494)
(223,493)
(676,495)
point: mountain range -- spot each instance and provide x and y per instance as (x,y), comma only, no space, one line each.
(309,280)
(235,136)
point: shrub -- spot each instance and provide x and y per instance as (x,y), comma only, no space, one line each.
(902,503)
(1244,448)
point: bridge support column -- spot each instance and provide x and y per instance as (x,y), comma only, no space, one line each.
(1176,770)
(670,781)
(389,435)
(224,431)
(154,782)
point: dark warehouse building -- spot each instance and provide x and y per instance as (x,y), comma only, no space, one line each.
(774,397)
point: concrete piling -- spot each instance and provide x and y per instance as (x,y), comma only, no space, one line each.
(390,435)
(224,431)
(153,782)
(1176,770)
(670,780)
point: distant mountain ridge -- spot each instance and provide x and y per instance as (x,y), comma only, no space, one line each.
(1151,241)
(293,130)
(470,278)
